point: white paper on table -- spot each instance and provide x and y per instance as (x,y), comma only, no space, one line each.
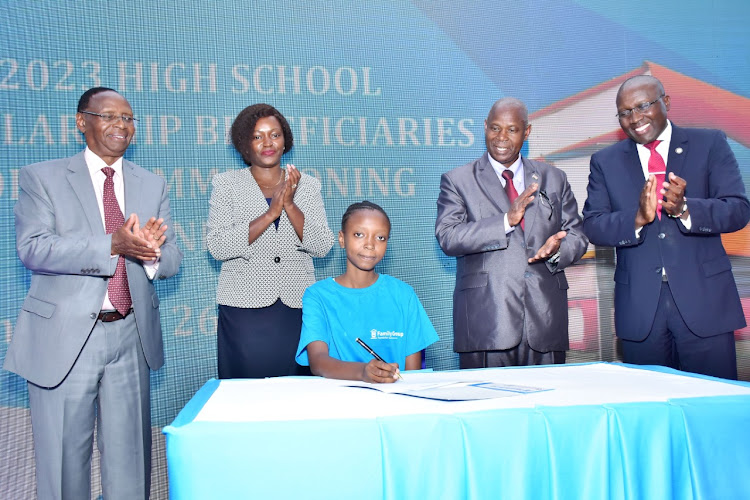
(468,390)
(307,398)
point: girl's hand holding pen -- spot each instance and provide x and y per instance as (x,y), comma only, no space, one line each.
(380,372)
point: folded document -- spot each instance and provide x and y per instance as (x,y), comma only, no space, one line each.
(453,391)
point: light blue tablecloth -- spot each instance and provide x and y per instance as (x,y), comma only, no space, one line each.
(694,448)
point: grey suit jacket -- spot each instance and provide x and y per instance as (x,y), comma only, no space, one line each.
(60,238)
(277,264)
(498,294)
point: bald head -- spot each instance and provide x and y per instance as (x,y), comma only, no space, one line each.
(640,81)
(511,103)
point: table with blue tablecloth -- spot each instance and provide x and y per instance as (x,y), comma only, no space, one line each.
(596,431)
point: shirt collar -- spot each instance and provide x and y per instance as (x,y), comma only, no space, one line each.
(96,164)
(666,134)
(665,137)
(516,168)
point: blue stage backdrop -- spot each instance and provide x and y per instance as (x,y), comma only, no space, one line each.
(383,97)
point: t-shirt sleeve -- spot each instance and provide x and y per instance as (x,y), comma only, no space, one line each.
(314,325)
(421,333)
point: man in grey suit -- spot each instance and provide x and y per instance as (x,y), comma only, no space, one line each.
(510,304)
(89,328)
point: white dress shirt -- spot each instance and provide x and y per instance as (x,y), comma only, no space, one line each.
(95,165)
(663,149)
(518,180)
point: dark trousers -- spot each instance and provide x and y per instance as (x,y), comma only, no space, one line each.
(671,343)
(521,355)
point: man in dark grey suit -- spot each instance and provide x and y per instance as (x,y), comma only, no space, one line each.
(89,328)
(510,304)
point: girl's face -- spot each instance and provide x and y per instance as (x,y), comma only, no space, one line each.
(365,239)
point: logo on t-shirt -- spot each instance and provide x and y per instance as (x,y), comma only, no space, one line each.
(377,335)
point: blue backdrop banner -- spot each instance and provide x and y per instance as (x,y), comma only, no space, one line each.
(383,97)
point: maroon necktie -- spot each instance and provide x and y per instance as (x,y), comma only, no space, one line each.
(119,293)
(658,168)
(510,189)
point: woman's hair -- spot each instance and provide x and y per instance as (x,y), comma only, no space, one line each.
(244,126)
(363,205)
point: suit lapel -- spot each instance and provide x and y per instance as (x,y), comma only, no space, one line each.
(490,184)
(633,168)
(132,189)
(678,146)
(530,176)
(80,180)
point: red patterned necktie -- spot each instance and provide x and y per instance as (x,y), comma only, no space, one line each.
(119,293)
(658,168)
(510,189)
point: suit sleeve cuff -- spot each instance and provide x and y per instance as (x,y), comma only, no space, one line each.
(508,227)
(151,268)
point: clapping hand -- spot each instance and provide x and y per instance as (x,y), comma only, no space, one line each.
(133,241)
(518,207)
(674,195)
(550,247)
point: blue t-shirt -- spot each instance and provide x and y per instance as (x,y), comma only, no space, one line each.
(387,315)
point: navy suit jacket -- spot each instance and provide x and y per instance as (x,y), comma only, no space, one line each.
(698,268)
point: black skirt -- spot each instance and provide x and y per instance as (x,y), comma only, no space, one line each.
(258,343)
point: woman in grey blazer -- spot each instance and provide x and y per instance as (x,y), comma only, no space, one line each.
(265,224)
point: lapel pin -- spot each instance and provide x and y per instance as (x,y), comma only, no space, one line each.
(535,177)
(678,151)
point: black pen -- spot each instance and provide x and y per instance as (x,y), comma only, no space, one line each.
(374,354)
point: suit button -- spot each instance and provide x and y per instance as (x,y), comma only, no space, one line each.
(662,236)
(92,315)
(277,259)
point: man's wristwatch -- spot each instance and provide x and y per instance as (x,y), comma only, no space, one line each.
(684,209)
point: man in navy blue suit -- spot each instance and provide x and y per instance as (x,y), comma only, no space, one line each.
(662,198)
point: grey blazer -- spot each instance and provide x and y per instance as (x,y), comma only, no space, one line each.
(60,238)
(277,264)
(498,294)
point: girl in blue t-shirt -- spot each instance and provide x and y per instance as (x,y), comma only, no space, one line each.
(382,311)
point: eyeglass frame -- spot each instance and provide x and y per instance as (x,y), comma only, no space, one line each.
(111,118)
(641,108)
(548,202)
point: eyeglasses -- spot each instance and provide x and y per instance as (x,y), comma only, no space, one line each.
(548,202)
(109,118)
(641,108)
